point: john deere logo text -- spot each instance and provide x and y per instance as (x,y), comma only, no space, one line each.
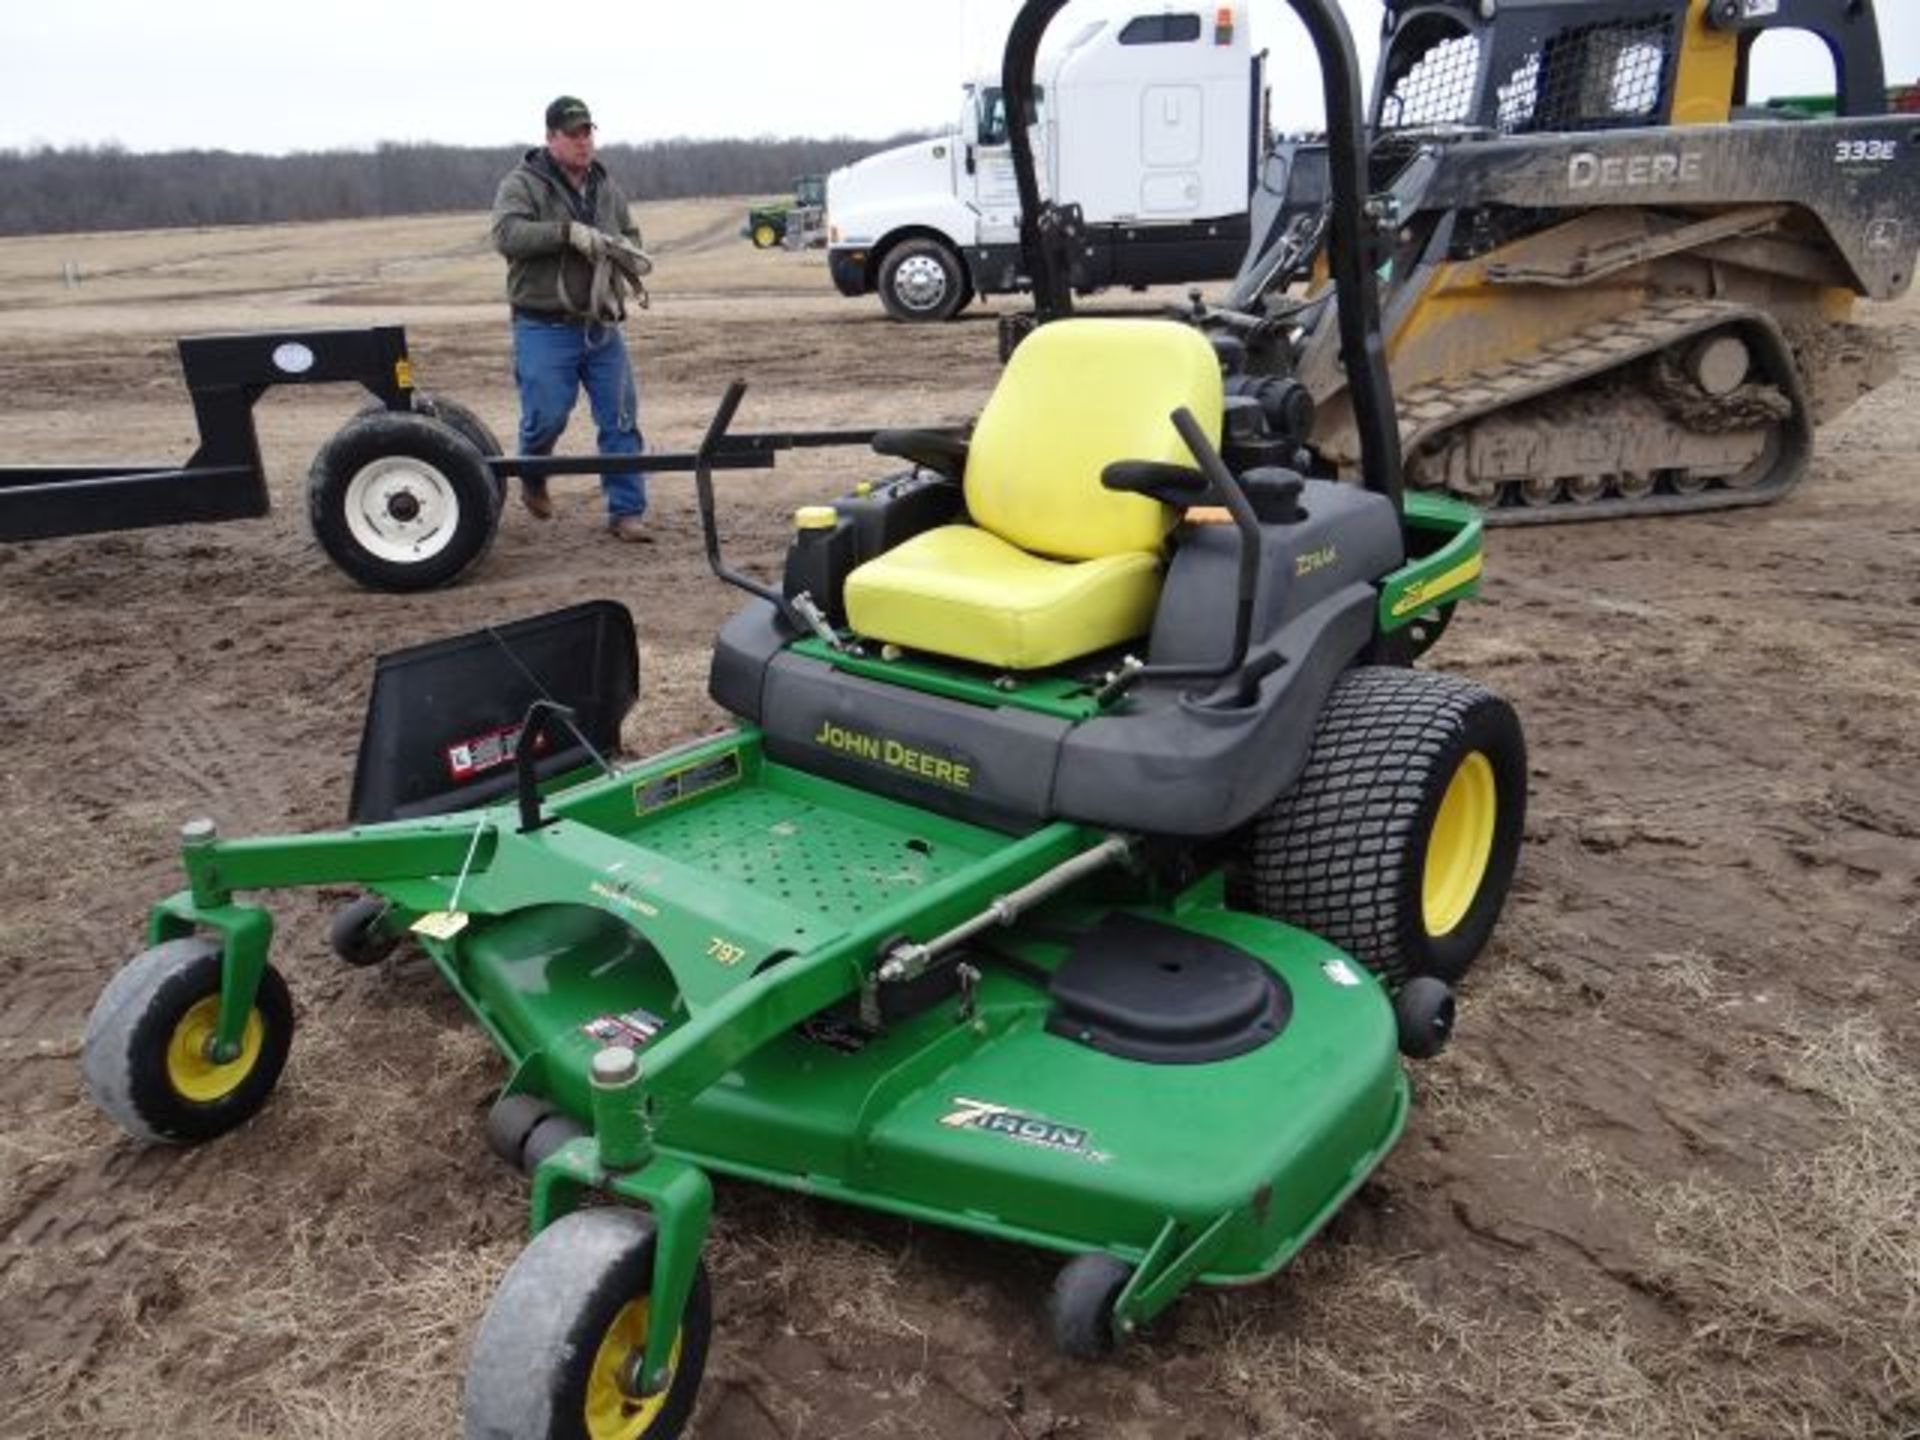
(893,754)
(1015,1125)
(1588,171)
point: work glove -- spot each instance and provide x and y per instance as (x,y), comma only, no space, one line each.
(590,242)
(635,261)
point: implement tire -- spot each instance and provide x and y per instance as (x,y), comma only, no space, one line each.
(1399,840)
(458,418)
(402,501)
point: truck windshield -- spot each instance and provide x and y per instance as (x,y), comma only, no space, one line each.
(993,113)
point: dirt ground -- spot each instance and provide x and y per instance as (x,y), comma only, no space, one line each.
(1663,1184)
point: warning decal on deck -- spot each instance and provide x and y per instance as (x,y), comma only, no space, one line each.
(632,1029)
(656,792)
(486,751)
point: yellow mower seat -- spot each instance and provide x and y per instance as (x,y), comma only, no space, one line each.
(1054,565)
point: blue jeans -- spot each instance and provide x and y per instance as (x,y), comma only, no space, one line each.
(552,359)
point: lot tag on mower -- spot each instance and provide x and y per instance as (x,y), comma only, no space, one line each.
(440,924)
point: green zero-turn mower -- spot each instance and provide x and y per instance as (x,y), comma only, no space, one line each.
(1086,856)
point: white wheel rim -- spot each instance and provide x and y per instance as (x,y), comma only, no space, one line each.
(401,509)
(920,282)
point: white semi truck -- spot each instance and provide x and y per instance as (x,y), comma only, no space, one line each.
(1152,121)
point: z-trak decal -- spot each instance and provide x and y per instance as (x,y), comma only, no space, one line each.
(1311,560)
(1017,1125)
(1422,593)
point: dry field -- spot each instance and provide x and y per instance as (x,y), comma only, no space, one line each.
(1664,1184)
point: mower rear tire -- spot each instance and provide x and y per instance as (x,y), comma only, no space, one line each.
(355,933)
(765,236)
(1080,1309)
(555,1346)
(922,279)
(145,1057)
(1399,839)
(402,501)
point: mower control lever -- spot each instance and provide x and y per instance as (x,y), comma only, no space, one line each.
(1222,486)
(1176,485)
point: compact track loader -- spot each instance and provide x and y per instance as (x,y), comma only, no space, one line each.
(1611,286)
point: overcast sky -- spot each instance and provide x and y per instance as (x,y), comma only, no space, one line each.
(265,75)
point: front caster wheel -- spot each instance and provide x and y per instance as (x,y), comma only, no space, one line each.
(1080,1309)
(148,1058)
(557,1350)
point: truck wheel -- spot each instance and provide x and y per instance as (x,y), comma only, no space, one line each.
(145,1060)
(555,1351)
(1399,839)
(765,237)
(402,501)
(921,279)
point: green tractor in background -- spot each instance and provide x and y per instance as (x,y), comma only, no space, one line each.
(796,224)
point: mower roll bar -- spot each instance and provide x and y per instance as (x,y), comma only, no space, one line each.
(1356,249)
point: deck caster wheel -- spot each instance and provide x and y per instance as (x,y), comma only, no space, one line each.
(1080,1309)
(1423,1010)
(559,1345)
(356,935)
(524,1130)
(148,1058)
(1398,840)
(510,1122)
(553,1131)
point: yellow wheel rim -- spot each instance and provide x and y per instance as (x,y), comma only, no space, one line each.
(764,237)
(191,1073)
(1460,845)
(612,1414)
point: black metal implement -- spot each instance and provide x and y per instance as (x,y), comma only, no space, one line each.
(225,478)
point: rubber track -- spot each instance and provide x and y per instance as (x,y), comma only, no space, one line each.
(1430,409)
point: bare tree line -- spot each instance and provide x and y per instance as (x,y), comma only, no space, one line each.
(46,191)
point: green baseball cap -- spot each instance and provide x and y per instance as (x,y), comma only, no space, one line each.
(568,113)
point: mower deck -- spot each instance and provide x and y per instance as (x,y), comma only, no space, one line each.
(721,877)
